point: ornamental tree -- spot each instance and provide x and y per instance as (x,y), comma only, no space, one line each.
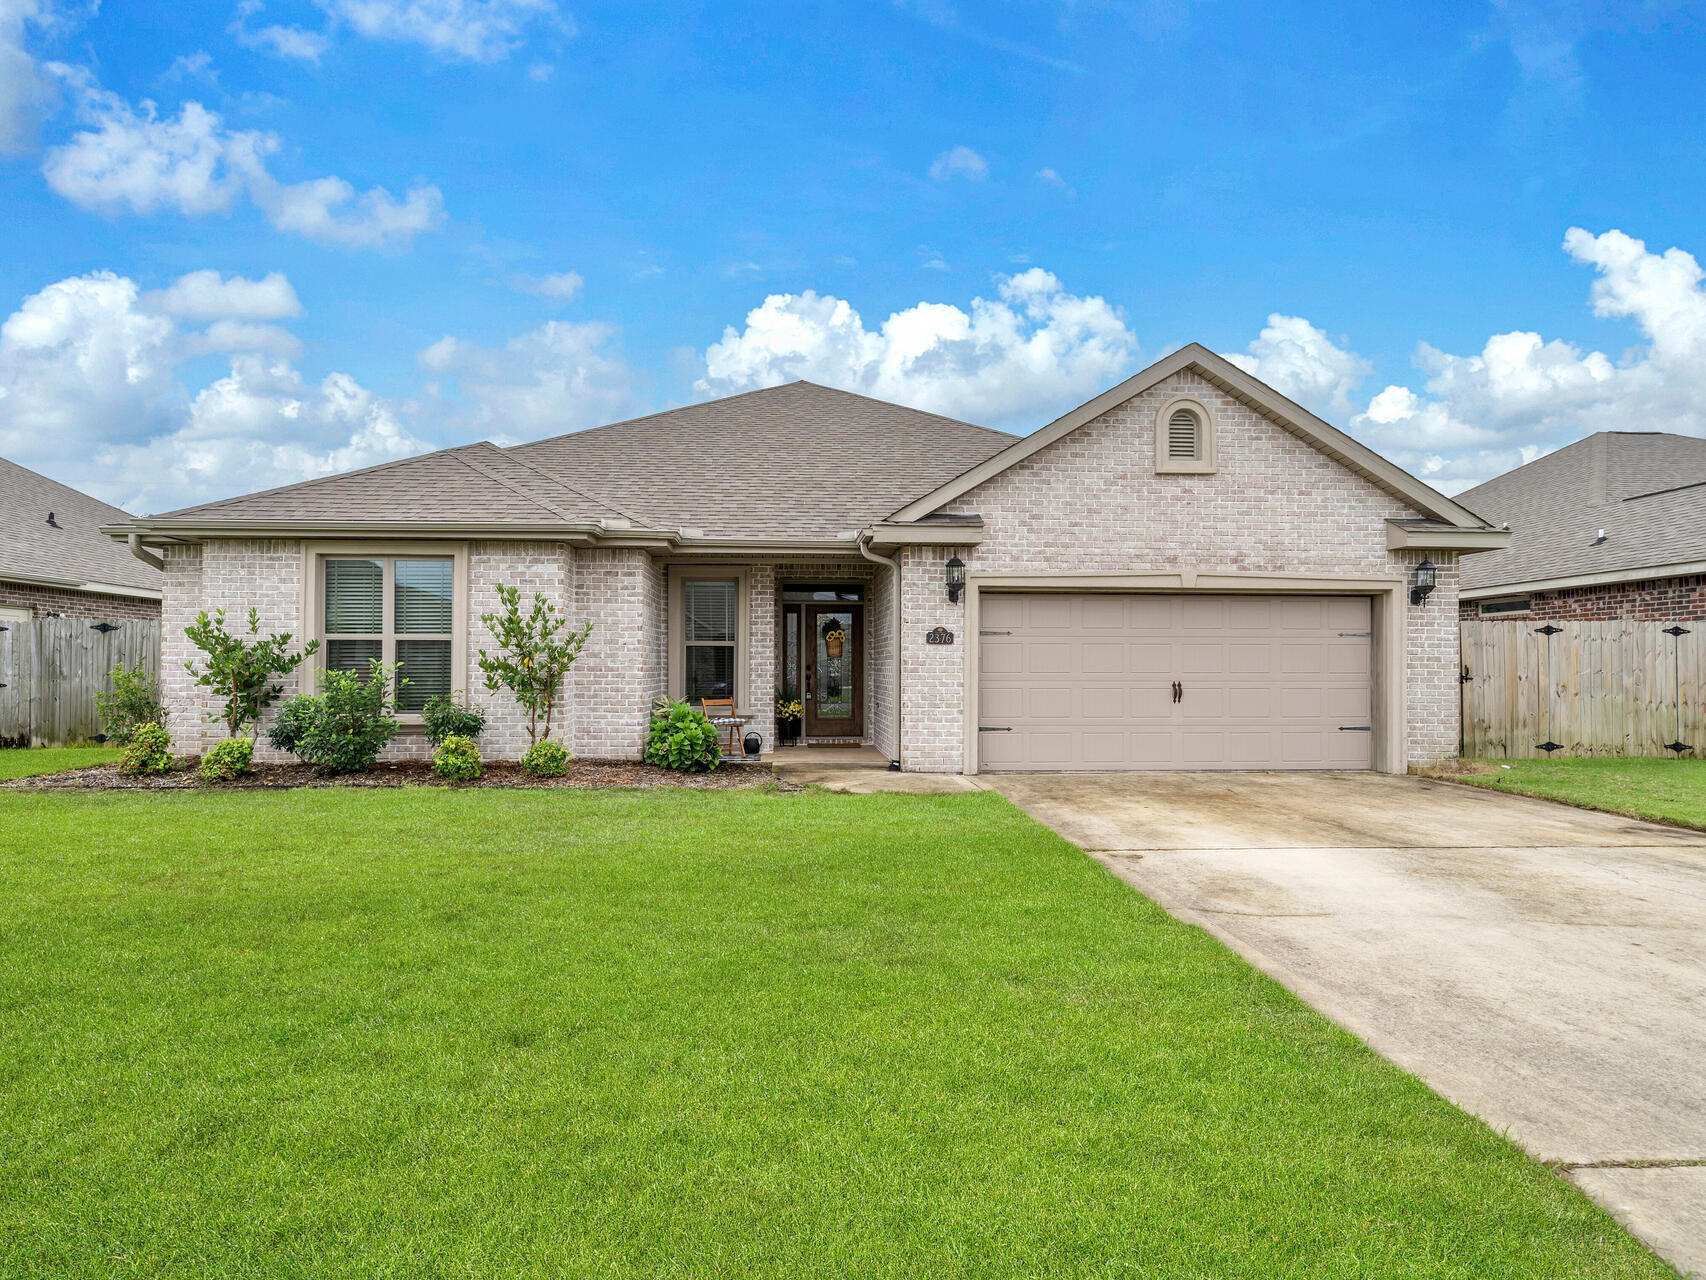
(240,671)
(533,655)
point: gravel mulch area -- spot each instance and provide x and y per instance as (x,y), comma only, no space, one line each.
(582,775)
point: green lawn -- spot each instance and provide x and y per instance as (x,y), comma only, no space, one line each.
(27,762)
(1668,790)
(414,1032)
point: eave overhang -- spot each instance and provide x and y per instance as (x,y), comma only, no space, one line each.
(77,584)
(1404,535)
(888,535)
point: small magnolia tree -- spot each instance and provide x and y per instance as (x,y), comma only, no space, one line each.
(533,655)
(240,671)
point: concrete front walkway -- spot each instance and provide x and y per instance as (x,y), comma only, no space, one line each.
(1543,967)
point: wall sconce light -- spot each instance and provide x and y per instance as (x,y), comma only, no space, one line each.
(956,579)
(1425,574)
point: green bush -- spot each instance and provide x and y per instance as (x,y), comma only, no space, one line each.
(445,716)
(682,738)
(457,758)
(353,721)
(134,701)
(149,751)
(546,759)
(295,718)
(228,760)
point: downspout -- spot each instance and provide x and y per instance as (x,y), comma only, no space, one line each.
(147,558)
(899,634)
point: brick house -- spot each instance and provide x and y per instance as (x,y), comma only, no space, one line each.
(1189,571)
(1612,526)
(56,562)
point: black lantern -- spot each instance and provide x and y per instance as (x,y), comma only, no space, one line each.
(1425,573)
(956,579)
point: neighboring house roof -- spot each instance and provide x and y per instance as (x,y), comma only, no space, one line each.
(1233,380)
(71,552)
(795,461)
(1645,489)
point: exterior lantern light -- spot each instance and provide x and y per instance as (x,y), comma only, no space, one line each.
(956,579)
(1425,573)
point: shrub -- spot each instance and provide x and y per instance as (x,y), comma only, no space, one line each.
(353,721)
(241,671)
(682,738)
(546,759)
(149,751)
(447,716)
(229,759)
(532,658)
(291,726)
(457,758)
(134,701)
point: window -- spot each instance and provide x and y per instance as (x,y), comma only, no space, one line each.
(392,609)
(1492,608)
(1184,437)
(710,627)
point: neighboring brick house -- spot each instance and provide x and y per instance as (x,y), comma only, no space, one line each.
(1613,526)
(56,562)
(1189,571)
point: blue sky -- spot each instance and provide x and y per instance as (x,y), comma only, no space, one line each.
(399,224)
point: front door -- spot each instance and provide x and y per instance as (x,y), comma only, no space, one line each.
(832,686)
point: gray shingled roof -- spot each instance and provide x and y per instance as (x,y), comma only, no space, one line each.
(796,461)
(72,549)
(1646,490)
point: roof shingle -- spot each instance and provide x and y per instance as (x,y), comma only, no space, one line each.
(72,549)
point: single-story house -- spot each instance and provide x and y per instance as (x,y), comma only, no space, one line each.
(1187,572)
(1612,526)
(56,562)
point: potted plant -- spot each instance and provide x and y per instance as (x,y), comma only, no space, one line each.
(788,714)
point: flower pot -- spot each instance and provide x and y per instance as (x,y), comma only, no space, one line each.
(787,731)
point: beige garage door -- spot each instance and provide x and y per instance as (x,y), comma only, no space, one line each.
(1174,682)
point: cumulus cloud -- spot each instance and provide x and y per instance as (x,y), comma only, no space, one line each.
(465,30)
(1019,359)
(1294,357)
(91,392)
(556,378)
(130,158)
(22,87)
(280,40)
(560,287)
(959,162)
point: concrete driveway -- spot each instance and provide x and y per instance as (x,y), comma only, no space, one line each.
(1541,966)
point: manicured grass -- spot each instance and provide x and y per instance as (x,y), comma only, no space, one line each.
(419,1033)
(27,762)
(1666,790)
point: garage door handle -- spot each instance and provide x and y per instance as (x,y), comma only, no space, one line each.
(991,728)
(1356,728)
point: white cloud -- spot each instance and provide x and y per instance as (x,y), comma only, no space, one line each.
(540,72)
(22,87)
(207,295)
(1017,360)
(556,378)
(131,158)
(1296,358)
(561,287)
(280,40)
(90,392)
(959,162)
(468,30)
(1052,178)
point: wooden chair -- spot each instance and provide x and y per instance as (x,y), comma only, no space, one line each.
(721,712)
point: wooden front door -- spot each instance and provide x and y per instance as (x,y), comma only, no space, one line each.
(833,678)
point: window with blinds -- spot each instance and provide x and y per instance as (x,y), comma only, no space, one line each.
(709,630)
(397,609)
(1184,436)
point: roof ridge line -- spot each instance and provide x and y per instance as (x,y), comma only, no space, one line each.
(602,501)
(1675,488)
(491,475)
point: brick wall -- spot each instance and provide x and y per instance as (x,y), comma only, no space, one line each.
(43,601)
(1656,600)
(1092,502)
(615,677)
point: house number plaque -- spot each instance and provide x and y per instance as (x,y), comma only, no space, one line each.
(939,635)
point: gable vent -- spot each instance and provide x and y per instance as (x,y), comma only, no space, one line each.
(1184,435)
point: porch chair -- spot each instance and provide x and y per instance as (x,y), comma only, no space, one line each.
(721,712)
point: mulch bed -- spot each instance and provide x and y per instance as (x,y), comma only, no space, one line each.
(582,775)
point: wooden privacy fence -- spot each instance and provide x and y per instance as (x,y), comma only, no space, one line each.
(1538,689)
(52,668)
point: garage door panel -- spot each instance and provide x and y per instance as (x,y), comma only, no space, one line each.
(1086,682)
